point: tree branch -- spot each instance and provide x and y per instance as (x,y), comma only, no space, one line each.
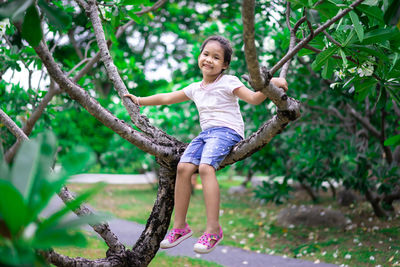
(306,40)
(140,121)
(364,121)
(93,107)
(12,126)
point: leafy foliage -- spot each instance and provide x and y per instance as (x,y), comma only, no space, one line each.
(27,188)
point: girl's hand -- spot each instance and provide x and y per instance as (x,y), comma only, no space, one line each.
(280,82)
(134,98)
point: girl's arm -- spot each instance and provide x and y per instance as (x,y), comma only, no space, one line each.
(256,98)
(159,99)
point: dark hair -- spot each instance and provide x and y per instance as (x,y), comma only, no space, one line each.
(226,45)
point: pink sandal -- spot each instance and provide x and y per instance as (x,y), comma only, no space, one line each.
(171,240)
(203,245)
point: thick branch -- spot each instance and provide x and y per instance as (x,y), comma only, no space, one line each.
(249,45)
(103,115)
(12,127)
(157,225)
(133,109)
(65,261)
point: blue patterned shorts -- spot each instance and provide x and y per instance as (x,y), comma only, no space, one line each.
(211,146)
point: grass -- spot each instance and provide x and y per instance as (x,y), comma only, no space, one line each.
(251,225)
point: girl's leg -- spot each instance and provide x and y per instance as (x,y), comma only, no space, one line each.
(183,190)
(211,197)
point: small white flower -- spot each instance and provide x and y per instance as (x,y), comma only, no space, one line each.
(347,256)
(352,70)
(335,255)
(317,261)
(263,214)
(323,253)
(333,85)
(251,235)
(3,26)
(340,74)
(243,241)
(230,222)
(371,258)
(245,262)
(233,237)
(299,255)
(291,226)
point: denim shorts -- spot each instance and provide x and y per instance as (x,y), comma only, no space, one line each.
(211,146)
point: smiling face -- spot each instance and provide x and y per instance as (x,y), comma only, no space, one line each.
(211,60)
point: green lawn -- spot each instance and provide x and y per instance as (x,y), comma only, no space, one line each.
(251,225)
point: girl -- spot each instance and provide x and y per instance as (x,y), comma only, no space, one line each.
(216,98)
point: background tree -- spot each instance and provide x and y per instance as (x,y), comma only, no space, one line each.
(138,38)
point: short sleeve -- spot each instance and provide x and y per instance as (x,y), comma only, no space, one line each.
(233,82)
(188,90)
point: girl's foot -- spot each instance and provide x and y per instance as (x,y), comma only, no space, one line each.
(208,242)
(176,236)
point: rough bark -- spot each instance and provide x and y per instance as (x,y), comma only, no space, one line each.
(157,225)
(156,142)
(11,126)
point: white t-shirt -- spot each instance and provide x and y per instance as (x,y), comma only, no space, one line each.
(217,105)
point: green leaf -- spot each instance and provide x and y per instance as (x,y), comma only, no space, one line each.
(364,87)
(135,2)
(357,25)
(31,28)
(344,58)
(392,141)
(56,16)
(372,11)
(380,35)
(323,57)
(4,170)
(13,209)
(349,38)
(328,69)
(370,2)
(25,166)
(14,9)
(135,17)
(392,13)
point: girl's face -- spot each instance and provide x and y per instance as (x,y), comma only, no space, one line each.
(211,60)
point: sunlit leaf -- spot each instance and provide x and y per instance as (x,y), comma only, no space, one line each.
(25,166)
(357,25)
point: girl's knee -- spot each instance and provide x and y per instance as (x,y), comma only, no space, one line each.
(205,169)
(185,168)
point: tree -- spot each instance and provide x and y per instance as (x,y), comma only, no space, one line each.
(167,149)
